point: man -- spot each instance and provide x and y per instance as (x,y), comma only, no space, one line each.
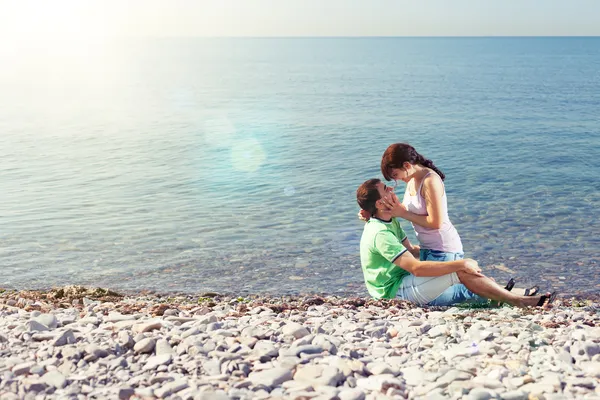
(391,270)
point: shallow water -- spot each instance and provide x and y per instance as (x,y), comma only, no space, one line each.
(231,164)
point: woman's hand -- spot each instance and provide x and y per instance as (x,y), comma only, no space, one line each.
(364,215)
(393,205)
(471,267)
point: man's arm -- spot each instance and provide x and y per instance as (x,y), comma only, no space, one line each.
(390,247)
(436,268)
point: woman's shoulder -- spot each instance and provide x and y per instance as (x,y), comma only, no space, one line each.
(430,174)
(431,177)
(432,182)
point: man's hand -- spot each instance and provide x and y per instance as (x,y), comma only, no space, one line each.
(393,205)
(416,251)
(471,267)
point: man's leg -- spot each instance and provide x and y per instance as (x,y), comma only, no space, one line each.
(486,287)
(423,290)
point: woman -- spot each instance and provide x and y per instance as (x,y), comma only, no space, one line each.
(424,203)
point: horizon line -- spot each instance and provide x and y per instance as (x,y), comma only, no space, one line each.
(359,36)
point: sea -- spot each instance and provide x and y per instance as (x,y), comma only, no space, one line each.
(230,165)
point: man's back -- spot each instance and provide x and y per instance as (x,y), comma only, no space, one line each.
(380,245)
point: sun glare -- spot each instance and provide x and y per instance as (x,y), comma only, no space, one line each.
(50,25)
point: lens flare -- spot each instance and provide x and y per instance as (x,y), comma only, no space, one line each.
(247,155)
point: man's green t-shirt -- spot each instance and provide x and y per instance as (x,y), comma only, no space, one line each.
(380,245)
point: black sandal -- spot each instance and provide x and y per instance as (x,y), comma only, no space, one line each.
(546,300)
(532,291)
(510,284)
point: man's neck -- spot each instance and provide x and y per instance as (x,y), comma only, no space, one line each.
(383,216)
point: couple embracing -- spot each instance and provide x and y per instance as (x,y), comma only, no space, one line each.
(434,272)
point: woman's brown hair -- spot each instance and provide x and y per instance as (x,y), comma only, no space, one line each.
(398,153)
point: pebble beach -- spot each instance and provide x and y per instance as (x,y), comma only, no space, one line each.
(88,343)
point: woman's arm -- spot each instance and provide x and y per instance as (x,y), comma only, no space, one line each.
(433,190)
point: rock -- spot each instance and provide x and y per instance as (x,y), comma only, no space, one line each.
(190,332)
(155,361)
(66,337)
(212,366)
(305,349)
(144,393)
(294,329)
(125,339)
(454,375)
(147,326)
(537,389)
(89,321)
(424,328)
(37,370)
(35,386)
(379,383)
(118,317)
(591,349)
(436,331)
(514,395)
(480,394)
(318,375)
(22,368)
(270,377)
(413,376)
(578,335)
(212,395)
(170,388)
(54,378)
(378,368)
(145,345)
(591,368)
(48,320)
(96,351)
(351,394)
(163,347)
(126,392)
(264,350)
(35,326)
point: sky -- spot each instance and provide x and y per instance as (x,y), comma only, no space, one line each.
(22,20)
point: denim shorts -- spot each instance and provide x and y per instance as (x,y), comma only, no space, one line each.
(436,255)
(442,290)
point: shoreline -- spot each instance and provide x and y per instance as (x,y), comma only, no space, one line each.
(91,342)
(565,298)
